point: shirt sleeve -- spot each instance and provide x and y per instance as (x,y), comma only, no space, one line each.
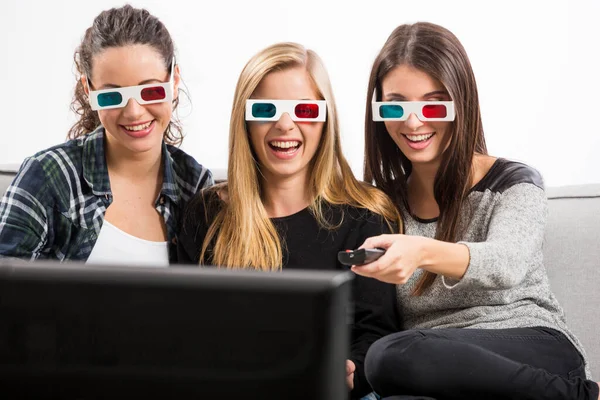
(24,219)
(375,310)
(206,180)
(513,243)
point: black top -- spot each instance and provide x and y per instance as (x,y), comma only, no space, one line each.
(505,174)
(502,175)
(306,245)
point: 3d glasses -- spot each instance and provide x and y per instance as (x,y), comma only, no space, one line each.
(298,110)
(424,110)
(106,99)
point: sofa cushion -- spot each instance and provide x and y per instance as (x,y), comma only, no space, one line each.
(572,258)
(219,174)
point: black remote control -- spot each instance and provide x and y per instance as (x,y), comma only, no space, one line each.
(360,256)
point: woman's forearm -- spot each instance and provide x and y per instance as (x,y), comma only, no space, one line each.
(448,259)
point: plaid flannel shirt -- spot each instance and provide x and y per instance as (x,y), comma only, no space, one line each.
(55,206)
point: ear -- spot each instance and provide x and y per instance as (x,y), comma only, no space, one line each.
(176,81)
(84,83)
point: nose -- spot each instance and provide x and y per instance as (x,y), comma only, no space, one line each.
(133,110)
(285,123)
(413,123)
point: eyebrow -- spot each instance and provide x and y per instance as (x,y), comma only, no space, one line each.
(113,86)
(399,96)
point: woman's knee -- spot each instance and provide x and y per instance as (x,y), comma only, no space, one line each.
(393,358)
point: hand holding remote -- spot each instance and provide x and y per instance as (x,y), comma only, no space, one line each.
(404,254)
(360,256)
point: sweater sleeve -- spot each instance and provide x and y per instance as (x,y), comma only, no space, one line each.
(375,310)
(514,239)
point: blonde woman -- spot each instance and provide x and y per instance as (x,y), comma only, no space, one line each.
(291,200)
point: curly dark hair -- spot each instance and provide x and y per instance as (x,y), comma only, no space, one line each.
(118,27)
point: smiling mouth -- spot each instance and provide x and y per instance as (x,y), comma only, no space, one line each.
(288,146)
(139,127)
(418,138)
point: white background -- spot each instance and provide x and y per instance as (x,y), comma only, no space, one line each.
(536,64)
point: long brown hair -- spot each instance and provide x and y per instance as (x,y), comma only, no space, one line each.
(119,27)
(436,51)
(242,232)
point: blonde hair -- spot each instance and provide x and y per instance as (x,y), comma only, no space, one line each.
(242,233)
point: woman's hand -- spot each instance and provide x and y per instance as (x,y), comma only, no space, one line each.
(403,255)
(350,368)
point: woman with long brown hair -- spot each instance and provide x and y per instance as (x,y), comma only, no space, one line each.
(113,193)
(480,319)
(291,200)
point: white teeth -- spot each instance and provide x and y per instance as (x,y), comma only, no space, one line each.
(418,138)
(284,145)
(137,127)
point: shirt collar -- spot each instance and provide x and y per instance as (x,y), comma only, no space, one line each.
(95,170)
(170,188)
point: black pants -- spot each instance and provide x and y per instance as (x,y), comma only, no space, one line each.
(524,363)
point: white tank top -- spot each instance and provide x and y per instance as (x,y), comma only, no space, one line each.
(115,246)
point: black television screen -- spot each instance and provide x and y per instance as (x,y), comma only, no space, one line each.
(74,331)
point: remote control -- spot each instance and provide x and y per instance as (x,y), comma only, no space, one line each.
(360,256)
